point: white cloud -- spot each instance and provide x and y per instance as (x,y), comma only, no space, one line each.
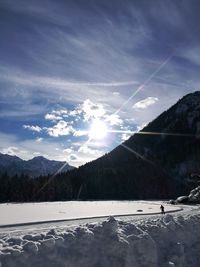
(39,139)
(98,143)
(80,133)
(60,129)
(25,149)
(75,112)
(72,158)
(86,150)
(33,128)
(116,93)
(67,150)
(92,110)
(145,103)
(114,119)
(125,136)
(36,153)
(12,150)
(60,112)
(130,120)
(140,127)
(56,115)
(52,117)
(47,149)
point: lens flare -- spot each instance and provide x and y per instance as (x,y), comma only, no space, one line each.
(98,130)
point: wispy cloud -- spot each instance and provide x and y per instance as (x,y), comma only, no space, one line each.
(192,54)
(26,79)
(44,89)
(61,77)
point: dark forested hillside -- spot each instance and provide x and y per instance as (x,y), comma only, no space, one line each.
(154,163)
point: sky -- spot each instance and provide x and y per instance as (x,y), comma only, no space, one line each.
(79,77)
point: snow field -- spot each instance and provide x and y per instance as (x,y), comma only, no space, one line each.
(23,213)
(161,241)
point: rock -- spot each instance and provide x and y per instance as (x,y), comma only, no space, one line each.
(194,196)
(182,199)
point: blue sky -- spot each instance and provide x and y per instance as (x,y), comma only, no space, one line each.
(65,65)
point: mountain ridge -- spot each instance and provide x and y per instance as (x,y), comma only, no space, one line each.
(37,166)
(150,165)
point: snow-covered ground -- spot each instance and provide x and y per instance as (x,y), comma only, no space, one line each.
(57,211)
(126,241)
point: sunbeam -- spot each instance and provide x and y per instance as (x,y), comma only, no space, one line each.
(50,179)
(155,133)
(146,82)
(134,152)
(170,134)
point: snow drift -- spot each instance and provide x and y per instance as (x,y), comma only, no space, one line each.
(156,242)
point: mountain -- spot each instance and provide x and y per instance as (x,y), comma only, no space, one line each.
(35,167)
(157,162)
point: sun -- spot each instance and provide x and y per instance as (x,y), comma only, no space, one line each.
(98,130)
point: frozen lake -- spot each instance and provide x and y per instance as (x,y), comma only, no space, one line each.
(54,211)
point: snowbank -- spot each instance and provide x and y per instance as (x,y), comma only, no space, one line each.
(156,242)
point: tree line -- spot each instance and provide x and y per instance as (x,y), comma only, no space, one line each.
(102,179)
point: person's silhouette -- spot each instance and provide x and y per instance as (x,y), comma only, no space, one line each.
(162,209)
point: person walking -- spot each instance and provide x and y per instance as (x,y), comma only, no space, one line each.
(162,209)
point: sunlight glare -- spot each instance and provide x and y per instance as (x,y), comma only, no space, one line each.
(98,130)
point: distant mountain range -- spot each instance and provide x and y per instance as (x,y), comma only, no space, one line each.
(35,167)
